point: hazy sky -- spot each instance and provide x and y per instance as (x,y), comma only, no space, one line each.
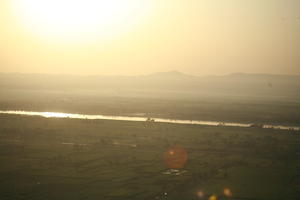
(193,36)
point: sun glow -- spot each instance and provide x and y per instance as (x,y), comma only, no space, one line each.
(54,114)
(73,19)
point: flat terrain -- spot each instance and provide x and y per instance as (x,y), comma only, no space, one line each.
(244,98)
(49,158)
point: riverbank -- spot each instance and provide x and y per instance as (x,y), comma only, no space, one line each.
(150,120)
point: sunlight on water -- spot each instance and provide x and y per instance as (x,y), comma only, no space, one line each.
(53,114)
(142,119)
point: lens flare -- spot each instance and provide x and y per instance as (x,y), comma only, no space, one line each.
(227,192)
(200,194)
(213,197)
(175,157)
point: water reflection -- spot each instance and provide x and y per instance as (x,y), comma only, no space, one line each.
(52,114)
(126,118)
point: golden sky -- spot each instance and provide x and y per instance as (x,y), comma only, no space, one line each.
(131,37)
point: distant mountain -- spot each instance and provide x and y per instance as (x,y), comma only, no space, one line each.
(170,74)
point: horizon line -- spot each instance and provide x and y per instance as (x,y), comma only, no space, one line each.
(148,74)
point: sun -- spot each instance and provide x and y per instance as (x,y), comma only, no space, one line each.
(79,19)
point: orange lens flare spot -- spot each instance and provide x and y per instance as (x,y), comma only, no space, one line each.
(200,194)
(227,192)
(175,157)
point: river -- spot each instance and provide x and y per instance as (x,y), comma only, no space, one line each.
(142,119)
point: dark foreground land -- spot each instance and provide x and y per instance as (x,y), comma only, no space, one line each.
(48,158)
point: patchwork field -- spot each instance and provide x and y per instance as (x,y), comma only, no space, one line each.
(49,158)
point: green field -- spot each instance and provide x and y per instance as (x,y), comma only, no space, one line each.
(49,158)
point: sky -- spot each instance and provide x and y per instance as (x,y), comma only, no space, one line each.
(133,37)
